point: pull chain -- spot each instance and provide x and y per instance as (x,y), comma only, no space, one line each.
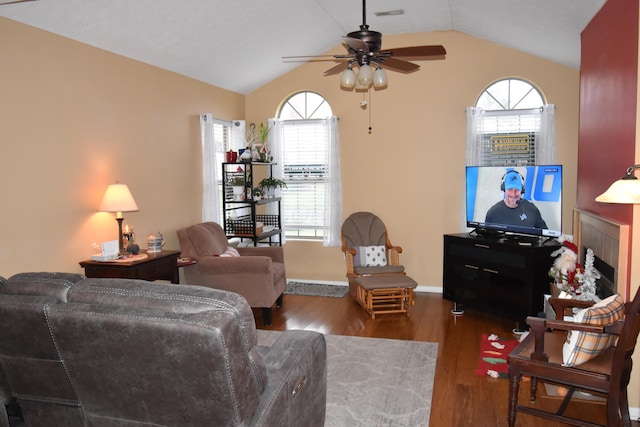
(370,128)
(364,104)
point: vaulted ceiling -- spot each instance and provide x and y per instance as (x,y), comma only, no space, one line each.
(239,45)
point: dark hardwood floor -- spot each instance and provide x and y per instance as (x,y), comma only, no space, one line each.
(460,397)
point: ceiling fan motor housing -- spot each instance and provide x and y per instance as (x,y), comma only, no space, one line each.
(372,39)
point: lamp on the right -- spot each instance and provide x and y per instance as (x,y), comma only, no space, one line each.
(625,190)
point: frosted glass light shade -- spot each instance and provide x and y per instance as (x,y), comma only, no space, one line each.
(118,199)
(379,78)
(624,190)
(348,78)
(365,75)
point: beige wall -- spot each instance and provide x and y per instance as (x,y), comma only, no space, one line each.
(79,118)
(74,119)
(410,168)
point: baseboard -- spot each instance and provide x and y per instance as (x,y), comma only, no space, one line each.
(429,289)
(322,282)
(634,413)
(419,288)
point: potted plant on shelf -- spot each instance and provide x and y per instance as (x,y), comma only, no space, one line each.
(237,185)
(269,186)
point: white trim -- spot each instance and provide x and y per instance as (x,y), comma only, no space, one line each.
(429,289)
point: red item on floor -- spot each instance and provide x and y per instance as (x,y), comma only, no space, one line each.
(493,356)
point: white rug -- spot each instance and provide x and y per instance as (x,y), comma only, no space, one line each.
(375,381)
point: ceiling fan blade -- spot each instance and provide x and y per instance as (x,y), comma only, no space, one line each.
(308,56)
(336,69)
(4,2)
(416,51)
(355,44)
(399,65)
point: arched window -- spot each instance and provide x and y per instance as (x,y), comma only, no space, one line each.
(309,157)
(510,94)
(511,125)
(305,106)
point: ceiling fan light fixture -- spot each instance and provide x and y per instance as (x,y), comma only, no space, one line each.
(365,75)
(348,78)
(379,78)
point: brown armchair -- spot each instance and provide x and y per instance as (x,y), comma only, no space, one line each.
(258,274)
(540,356)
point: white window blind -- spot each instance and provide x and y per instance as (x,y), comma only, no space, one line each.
(509,137)
(306,172)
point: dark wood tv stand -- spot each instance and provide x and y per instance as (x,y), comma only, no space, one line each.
(502,276)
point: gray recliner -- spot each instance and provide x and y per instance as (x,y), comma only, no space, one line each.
(140,353)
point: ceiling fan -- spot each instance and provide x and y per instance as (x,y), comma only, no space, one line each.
(364,49)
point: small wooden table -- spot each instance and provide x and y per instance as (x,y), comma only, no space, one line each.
(156,266)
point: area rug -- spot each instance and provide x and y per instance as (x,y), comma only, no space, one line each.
(375,381)
(316,289)
(493,356)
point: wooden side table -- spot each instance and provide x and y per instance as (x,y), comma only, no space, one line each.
(156,266)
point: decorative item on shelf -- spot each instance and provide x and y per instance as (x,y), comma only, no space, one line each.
(237,185)
(231,156)
(155,242)
(570,277)
(245,155)
(269,186)
(257,193)
(259,143)
(118,199)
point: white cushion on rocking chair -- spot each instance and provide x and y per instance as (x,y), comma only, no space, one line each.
(370,256)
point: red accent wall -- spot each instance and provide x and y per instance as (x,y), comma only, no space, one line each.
(608,79)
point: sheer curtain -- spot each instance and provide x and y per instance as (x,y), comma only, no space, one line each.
(475,129)
(275,147)
(546,152)
(210,171)
(333,198)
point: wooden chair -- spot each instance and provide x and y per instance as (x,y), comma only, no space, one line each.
(607,375)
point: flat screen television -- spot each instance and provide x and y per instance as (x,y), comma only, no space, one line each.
(524,200)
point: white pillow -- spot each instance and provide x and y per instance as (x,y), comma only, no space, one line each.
(370,256)
(230,251)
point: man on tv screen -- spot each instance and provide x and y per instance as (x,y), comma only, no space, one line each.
(513,209)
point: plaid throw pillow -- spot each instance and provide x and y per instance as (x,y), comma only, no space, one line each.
(583,346)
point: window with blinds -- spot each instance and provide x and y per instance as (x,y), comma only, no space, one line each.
(305,170)
(511,123)
(509,138)
(306,167)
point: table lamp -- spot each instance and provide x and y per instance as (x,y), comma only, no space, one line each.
(118,199)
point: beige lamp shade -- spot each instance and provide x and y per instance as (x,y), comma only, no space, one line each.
(625,190)
(118,199)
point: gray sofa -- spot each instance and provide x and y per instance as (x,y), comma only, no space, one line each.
(99,352)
